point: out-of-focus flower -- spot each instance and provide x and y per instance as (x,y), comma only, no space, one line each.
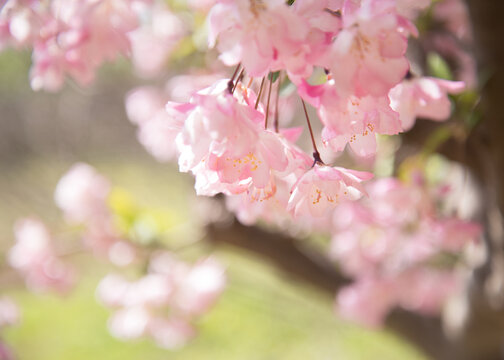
(153,42)
(34,257)
(423,97)
(164,303)
(9,312)
(82,194)
(390,244)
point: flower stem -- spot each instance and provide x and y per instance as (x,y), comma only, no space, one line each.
(276,102)
(238,79)
(268,104)
(260,93)
(231,83)
(316,154)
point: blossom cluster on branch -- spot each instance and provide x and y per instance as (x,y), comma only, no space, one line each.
(346,61)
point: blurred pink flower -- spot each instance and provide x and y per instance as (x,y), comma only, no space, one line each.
(82,194)
(34,257)
(163,303)
(423,97)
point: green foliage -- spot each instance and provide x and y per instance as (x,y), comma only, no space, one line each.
(261,316)
(273,76)
(438,67)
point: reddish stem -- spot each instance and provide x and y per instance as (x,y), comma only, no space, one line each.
(316,154)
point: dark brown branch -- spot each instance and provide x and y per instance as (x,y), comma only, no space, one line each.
(284,252)
(303,264)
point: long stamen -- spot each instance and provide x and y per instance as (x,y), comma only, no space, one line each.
(268,104)
(276,102)
(260,93)
(316,154)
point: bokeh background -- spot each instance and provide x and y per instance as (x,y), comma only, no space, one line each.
(262,314)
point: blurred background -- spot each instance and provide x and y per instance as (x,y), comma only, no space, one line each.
(261,315)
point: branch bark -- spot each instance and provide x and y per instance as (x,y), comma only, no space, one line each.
(301,263)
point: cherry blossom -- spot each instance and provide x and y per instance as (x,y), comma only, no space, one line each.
(386,243)
(158,125)
(223,143)
(269,36)
(152,43)
(163,303)
(353,121)
(322,187)
(9,312)
(423,97)
(34,257)
(368,55)
(82,194)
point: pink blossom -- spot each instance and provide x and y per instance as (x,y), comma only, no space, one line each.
(82,194)
(70,37)
(19,22)
(431,290)
(6,353)
(367,56)
(271,36)
(181,88)
(200,287)
(351,120)
(322,187)
(224,144)
(163,303)
(423,97)
(171,334)
(129,323)
(158,125)
(153,42)
(366,302)
(388,240)
(9,312)
(143,103)
(455,16)
(34,257)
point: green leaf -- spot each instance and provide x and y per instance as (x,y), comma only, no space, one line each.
(273,76)
(438,67)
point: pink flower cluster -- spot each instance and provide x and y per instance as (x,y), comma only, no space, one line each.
(361,45)
(34,256)
(395,246)
(221,138)
(221,133)
(164,303)
(82,196)
(74,37)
